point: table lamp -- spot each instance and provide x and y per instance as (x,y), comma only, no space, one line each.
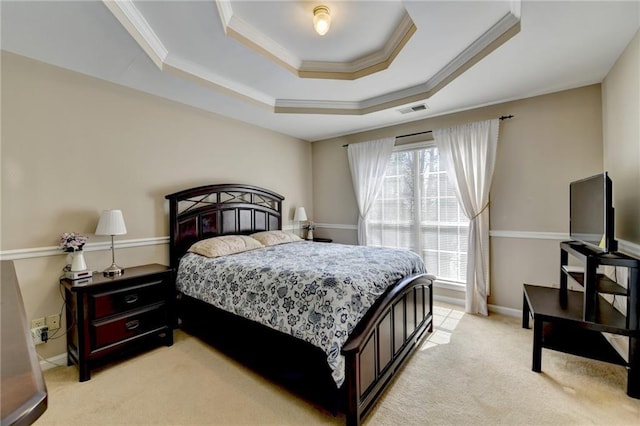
(112,223)
(300,216)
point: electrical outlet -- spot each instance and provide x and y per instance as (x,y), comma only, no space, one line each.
(40,334)
(53,322)
(38,322)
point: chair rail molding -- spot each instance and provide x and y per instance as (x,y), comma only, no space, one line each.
(26,253)
(103,245)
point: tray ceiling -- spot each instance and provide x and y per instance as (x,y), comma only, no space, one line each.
(262,62)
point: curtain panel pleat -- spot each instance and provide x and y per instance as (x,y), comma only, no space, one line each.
(368,162)
(469,151)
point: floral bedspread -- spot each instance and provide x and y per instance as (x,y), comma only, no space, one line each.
(314,291)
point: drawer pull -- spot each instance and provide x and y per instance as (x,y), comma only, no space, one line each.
(131,298)
(132,325)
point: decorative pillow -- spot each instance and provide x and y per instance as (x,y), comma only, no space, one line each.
(272,238)
(224,245)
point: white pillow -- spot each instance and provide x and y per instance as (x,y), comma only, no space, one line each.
(224,245)
(272,238)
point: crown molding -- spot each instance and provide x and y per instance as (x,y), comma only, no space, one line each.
(503,30)
(497,35)
(225,12)
(238,29)
(137,26)
(250,36)
(204,77)
(366,65)
(299,106)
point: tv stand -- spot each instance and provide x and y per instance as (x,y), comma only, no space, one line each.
(574,321)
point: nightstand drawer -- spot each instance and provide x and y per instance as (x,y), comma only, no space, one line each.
(113,330)
(117,301)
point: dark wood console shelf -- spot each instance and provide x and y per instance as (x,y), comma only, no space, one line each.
(573,321)
(605,284)
(595,283)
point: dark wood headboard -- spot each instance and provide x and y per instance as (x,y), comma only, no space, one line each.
(213,210)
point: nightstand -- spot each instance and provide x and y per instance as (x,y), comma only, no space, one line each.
(109,315)
(323,240)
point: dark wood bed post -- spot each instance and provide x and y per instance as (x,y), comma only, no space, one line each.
(173,223)
(379,345)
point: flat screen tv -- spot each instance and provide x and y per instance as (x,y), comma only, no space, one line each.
(591,212)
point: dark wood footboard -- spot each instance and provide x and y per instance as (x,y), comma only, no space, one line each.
(384,339)
(374,353)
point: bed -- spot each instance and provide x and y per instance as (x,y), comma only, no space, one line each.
(349,372)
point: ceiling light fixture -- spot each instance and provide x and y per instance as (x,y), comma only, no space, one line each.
(321,19)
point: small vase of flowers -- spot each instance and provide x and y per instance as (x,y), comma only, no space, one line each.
(310,227)
(71,242)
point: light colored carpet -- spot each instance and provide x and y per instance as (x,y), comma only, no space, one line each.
(472,371)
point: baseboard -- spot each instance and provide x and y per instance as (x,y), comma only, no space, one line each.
(449,300)
(502,310)
(53,362)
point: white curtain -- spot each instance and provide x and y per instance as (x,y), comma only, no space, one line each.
(469,152)
(368,162)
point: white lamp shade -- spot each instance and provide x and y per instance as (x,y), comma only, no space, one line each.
(111,223)
(301,215)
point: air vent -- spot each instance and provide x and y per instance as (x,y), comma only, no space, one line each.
(414,108)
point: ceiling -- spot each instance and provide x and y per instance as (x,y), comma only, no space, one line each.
(262,63)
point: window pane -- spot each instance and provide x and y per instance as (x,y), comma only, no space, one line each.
(429,209)
(449,210)
(449,239)
(427,219)
(430,236)
(431,262)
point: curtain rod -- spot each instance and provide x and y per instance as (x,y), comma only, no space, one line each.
(504,117)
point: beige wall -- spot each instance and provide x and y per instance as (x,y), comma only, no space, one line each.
(552,140)
(74,145)
(621,123)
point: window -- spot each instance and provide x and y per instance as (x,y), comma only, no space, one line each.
(417,209)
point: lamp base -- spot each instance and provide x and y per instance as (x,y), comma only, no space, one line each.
(113,271)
